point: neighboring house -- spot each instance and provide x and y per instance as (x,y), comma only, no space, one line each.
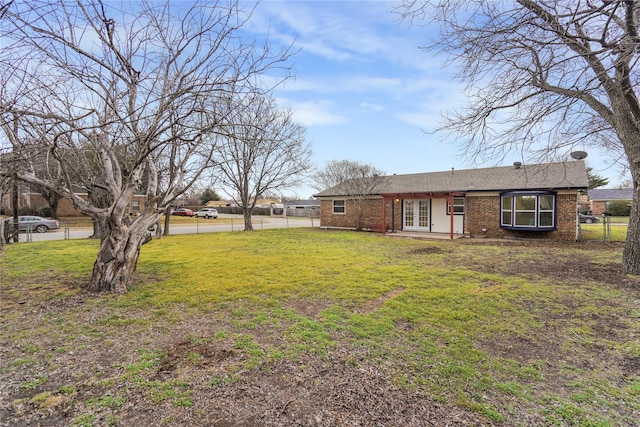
(303,204)
(601,197)
(267,203)
(66,208)
(29,200)
(535,201)
(260,203)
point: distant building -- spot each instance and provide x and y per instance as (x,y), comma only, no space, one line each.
(303,204)
(600,198)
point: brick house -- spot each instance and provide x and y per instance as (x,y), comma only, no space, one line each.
(32,201)
(525,201)
(599,198)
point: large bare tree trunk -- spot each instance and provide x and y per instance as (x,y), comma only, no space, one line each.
(631,255)
(248,225)
(117,259)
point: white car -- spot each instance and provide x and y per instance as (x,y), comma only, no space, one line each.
(207,213)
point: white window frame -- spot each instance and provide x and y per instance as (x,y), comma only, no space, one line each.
(458,208)
(341,208)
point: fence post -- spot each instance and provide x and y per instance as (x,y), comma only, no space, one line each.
(607,228)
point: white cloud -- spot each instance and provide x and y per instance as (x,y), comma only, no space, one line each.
(309,113)
(371,106)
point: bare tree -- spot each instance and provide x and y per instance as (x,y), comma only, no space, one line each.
(354,178)
(545,77)
(264,151)
(131,98)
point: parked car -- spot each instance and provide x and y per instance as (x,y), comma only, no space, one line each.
(207,213)
(588,219)
(183,212)
(33,223)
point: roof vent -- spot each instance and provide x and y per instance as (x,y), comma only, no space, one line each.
(517,165)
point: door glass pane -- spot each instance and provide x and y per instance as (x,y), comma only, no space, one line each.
(423,220)
(408,213)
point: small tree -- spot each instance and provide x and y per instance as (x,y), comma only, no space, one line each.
(208,195)
(596,180)
(355,179)
(618,208)
(263,151)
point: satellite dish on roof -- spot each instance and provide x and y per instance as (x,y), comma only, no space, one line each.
(579,155)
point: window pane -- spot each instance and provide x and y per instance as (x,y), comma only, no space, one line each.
(525,219)
(525,203)
(506,217)
(546,219)
(546,203)
(458,206)
(506,203)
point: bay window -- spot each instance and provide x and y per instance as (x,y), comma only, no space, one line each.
(534,211)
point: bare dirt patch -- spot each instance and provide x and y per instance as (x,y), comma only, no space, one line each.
(198,383)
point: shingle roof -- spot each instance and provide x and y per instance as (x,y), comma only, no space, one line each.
(611,194)
(561,175)
(302,203)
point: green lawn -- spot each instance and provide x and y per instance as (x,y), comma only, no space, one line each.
(513,332)
(617,230)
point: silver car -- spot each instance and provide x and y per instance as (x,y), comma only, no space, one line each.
(207,213)
(34,223)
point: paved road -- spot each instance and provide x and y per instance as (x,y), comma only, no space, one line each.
(201,225)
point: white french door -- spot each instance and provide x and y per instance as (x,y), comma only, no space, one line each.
(416,215)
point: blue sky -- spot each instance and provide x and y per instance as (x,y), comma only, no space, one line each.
(364,89)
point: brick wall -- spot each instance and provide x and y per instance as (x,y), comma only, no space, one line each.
(371,214)
(598,207)
(482,217)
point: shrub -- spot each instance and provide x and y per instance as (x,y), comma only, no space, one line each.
(618,208)
(45,212)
